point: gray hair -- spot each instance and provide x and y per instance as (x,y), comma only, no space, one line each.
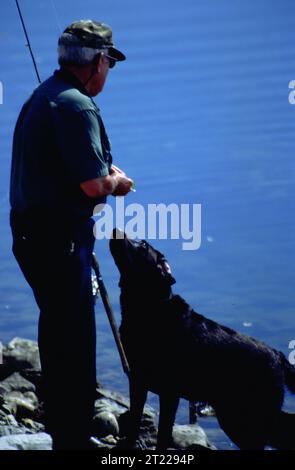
(70,51)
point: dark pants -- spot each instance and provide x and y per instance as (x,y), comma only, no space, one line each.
(55,258)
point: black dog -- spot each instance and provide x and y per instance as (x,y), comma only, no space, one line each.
(175,352)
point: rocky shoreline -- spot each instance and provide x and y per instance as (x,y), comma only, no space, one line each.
(21,410)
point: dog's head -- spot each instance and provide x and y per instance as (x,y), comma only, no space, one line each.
(138,262)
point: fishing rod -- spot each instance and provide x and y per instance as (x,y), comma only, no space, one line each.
(95,265)
(28,41)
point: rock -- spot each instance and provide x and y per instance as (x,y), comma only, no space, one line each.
(32,426)
(33,376)
(9,407)
(187,435)
(110,440)
(39,441)
(22,414)
(16,382)
(104,424)
(21,354)
(31,396)
(11,421)
(20,406)
(9,425)
(25,409)
(3,417)
(100,444)
(114,396)
(112,405)
(11,430)
(27,426)
(104,404)
(121,400)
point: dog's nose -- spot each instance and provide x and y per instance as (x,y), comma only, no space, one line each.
(119,234)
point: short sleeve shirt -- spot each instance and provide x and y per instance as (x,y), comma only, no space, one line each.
(59,142)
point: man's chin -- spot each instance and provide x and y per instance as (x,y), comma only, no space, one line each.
(96,91)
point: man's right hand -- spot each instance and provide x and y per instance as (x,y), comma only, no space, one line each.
(124,185)
(116,183)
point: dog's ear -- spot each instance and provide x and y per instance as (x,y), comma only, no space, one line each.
(165,271)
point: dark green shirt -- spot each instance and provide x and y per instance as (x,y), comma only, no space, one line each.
(59,142)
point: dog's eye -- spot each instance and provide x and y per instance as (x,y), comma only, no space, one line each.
(143,244)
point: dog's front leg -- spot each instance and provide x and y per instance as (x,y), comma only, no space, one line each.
(168,408)
(138,394)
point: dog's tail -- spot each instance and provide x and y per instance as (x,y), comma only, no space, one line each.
(289,373)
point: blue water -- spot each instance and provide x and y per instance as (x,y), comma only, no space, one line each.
(199,113)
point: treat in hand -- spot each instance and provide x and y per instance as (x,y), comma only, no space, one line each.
(116,169)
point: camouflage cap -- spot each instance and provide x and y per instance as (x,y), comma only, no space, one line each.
(94,35)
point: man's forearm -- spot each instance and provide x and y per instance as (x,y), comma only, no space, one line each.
(102,186)
(111,183)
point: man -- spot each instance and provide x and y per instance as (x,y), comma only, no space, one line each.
(61,169)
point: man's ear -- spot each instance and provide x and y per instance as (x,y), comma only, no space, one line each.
(96,63)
